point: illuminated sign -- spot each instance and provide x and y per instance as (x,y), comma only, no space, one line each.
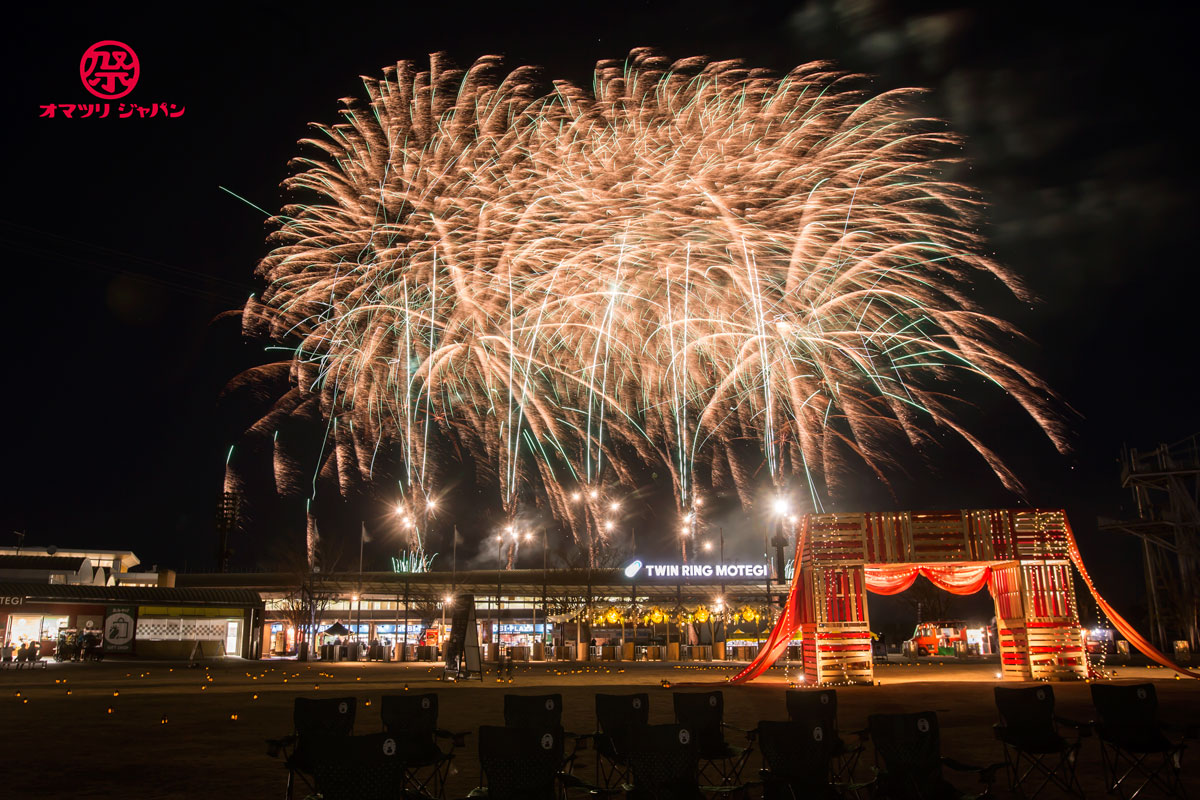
(751,570)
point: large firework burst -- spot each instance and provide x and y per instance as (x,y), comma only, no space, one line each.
(569,284)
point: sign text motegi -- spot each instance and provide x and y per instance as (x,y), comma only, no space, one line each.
(642,571)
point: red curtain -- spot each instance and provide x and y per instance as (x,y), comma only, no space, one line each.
(953,578)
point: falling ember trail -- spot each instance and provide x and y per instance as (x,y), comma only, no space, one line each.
(689,256)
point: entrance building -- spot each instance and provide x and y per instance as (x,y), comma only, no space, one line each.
(143,621)
(1023,557)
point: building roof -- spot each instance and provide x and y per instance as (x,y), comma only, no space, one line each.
(56,592)
(124,557)
(42,563)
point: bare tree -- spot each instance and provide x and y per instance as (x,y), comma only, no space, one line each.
(310,590)
(932,603)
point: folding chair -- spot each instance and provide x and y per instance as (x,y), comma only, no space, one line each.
(532,710)
(412,720)
(1035,752)
(524,764)
(616,716)
(813,708)
(909,760)
(1133,744)
(313,720)
(703,713)
(664,764)
(367,767)
(796,761)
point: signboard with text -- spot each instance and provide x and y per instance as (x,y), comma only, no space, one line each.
(730,571)
(120,624)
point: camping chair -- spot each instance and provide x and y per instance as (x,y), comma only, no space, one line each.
(412,720)
(909,760)
(1034,750)
(664,764)
(703,713)
(819,707)
(532,710)
(1133,744)
(367,767)
(616,716)
(524,764)
(313,720)
(796,761)
(541,711)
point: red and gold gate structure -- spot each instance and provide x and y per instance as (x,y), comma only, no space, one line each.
(1024,557)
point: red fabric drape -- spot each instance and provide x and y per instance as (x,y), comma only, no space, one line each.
(781,634)
(891,579)
(1119,622)
(953,578)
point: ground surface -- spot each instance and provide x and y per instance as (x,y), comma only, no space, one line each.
(60,744)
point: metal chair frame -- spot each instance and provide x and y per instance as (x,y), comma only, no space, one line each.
(664,764)
(1119,760)
(930,786)
(616,717)
(312,717)
(819,707)
(1019,736)
(412,719)
(704,714)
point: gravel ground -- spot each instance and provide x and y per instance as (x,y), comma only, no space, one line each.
(63,740)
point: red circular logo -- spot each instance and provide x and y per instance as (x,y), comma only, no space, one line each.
(109,69)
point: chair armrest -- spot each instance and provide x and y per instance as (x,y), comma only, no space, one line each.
(580,739)
(750,734)
(458,739)
(276,746)
(1084,728)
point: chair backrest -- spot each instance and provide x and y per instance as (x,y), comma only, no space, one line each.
(618,714)
(701,713)
(521,763)
(908,748)
(797,753)
(532,710)
(327,715)
(409,712)
(1126,709)
(664,762)
(813,707)
(1026,710)
(357,767)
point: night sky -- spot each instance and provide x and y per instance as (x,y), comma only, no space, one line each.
(123,250)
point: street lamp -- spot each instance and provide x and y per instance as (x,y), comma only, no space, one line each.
(783,511)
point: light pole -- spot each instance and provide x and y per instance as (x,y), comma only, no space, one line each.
(358,598)
(545,603)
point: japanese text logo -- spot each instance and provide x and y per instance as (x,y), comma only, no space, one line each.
(109,69)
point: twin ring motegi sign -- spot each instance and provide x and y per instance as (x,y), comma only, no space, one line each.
(641,571)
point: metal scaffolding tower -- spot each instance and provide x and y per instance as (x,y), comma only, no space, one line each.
(1166,487)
